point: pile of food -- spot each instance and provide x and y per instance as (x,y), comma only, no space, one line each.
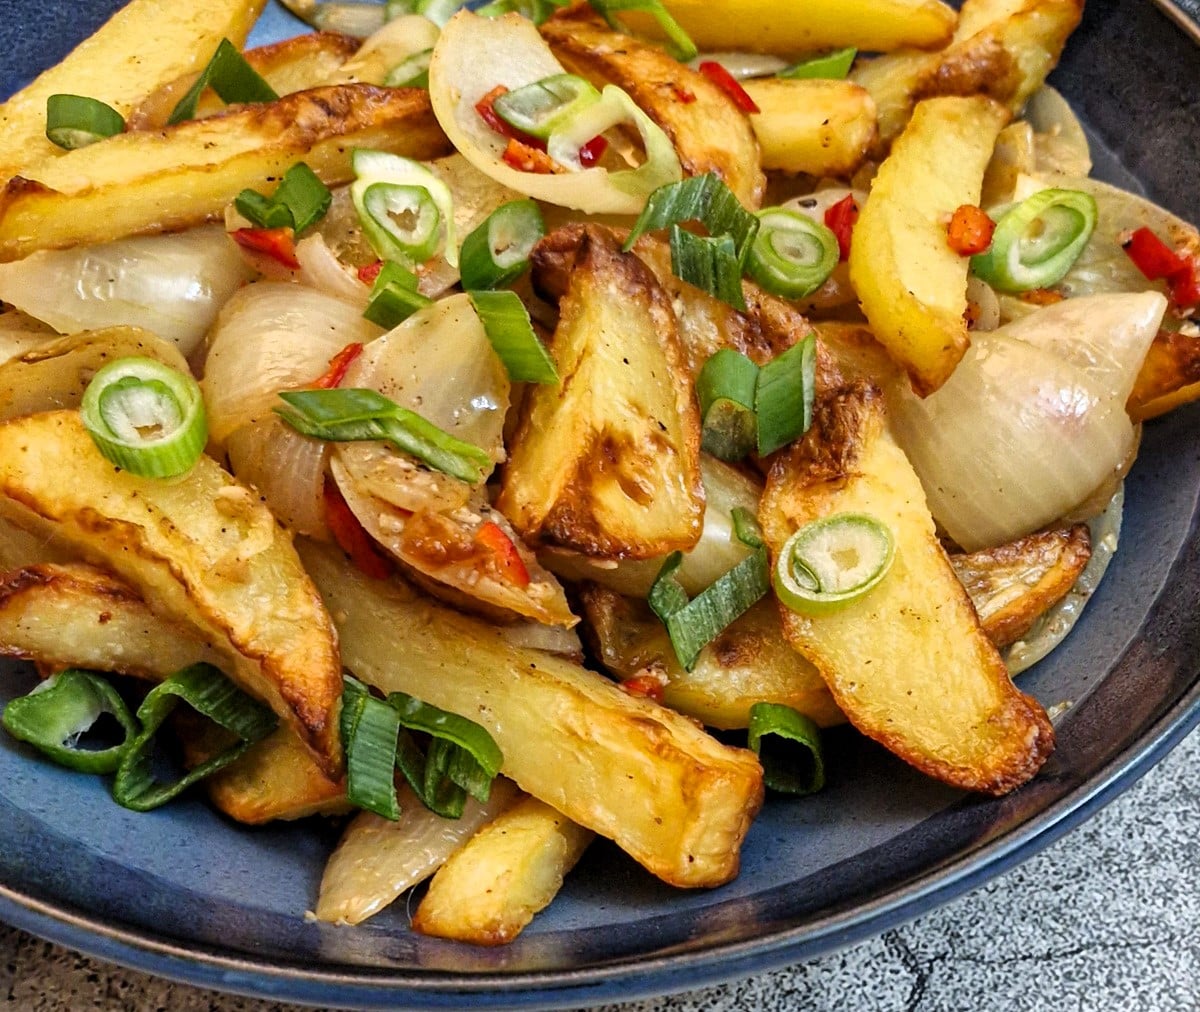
(443,420)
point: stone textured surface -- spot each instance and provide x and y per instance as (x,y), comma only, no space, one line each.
(1108,917)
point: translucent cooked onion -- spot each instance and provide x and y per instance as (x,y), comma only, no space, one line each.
(288,470)
(272,336)
(1060,144)
(1032,421)
(320,269)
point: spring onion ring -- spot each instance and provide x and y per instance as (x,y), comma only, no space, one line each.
(832,561)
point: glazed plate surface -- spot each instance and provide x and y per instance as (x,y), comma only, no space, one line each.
(184,893)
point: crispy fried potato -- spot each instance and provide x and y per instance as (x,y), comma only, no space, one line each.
(118,66)
(202,550)
(908,662)
(748,663)
(493,886)
(140,183)
(608,461)
(1012,585)
(708,130)
(55,374)
(1169,377)
(757,25)
(289,65)
(676,800)
(911,284)
(819,127)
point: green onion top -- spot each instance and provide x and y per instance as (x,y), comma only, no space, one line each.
(394,296)
(725,389)
(709,263)
(411,72)
(788,744)
(298,203)
(145,417)
(792,255)
(74,121)
(369,728)
(536,11)
(679,45)
(833,561)
(705,199)
(783,399)
(498,251)
(508,327)
(231,77)
(835,65)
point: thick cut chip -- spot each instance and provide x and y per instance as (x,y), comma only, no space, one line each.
(143,46)
(911,284)
(708,130)
(608,460)
(202,550)
(676,800)
(907,662)
(146,182)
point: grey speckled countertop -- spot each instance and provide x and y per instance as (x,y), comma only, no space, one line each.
(1107,918)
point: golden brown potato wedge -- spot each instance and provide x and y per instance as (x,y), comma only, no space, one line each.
(1169,377)
(290,65)
(911,284)
(819,127)
(143,46)
(491,888)
(675,799)
(608,460)
(202,550)
(376,859)
(55,374)
(1012,585)
(139,183)
(748,663)
(708,130)
(907,662)
(757,25)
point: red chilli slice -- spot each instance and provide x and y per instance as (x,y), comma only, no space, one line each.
(728,84)
(277,243)
(351,537)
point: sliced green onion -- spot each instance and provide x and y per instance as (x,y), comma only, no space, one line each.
(75,121)
(209,693)
(788,745)
(411,72)
(439,11)
(792,255)
(539,108)
(1036,242)
(369,727)
(299,202)
(783,400)
(725,388)
(679,44)
(56,714)
(462,757)
(145,417)
(231,77)
(536,11)
(355,415)
(705,199)
(835,66)
(708,263)
(497,252)
(507,325)
(692,625)
(394,296)
(406,211)
(832,561)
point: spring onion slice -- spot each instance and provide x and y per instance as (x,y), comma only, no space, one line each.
(679,44)
(508,327)
(411,72)
(705,199)
(783,400)
(354,415)
(536,11)
(207,691)
(55,715)
(406,211)
(788,745)
(834,66)
(75,121)
(725,389)
(539,108)
(708,263)
(369,727)
(498,251)
(231,77)
(1036,242)
(692,625)
(299,202)
(792,255)
(832,561)
(145,417)
(394,296)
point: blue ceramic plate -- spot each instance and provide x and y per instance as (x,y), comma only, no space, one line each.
(183,893)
